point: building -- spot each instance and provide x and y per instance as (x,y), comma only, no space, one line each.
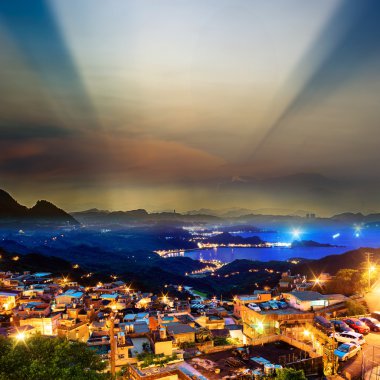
(265,322)
(69,297)
(9,299)
(181,333)
(73,330)
(257,297)
(211,322)
(310,300)
(162,344)
(43,325)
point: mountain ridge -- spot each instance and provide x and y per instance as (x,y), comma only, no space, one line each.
(43,211)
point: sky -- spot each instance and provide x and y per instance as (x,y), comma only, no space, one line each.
(177,104)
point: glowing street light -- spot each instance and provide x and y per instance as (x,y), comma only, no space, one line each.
(20,336)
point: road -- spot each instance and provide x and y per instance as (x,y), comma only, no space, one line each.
(364,361)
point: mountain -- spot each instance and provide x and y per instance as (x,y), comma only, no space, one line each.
(227,238)
(9,207)
(43,212)
(139,216)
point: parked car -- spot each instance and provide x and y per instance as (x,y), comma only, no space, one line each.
(265,306)
(357,325)
(273,305)
(348,337)
(346,351)
(340,326)
(254,307)
(323,324)
(282,304)
(372,323)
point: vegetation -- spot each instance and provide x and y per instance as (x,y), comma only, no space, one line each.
(355,308)
(203,335)
(221,341)
(200,293)
(45,358)
(148,358)
(348,281)
(290,374)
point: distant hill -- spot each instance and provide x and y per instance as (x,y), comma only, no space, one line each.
(349,217)
(138,216)
(227,238)
(42,212)
(331,264)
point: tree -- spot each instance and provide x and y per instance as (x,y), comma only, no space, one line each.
(45,358)
(355,308)
(203,334)
(290,374)
(347,281)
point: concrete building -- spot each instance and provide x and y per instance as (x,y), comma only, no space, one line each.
(310,301)
(181,333)
(9,299)
(256,297)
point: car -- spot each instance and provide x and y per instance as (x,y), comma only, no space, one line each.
(254,307)
(323,324)
(348,337)
(346,351)
(340,326)
(282,304)
(372,323)
(357,325)
(265,306)
(273,305)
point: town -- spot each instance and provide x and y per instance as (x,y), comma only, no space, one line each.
(182,333)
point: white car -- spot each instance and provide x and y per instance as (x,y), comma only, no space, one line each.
(346,351)
(348,337)
(254,307)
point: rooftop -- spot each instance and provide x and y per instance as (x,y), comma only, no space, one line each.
(307,295)
(179,328)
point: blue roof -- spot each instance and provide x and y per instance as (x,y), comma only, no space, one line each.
(72,293)
(109,296)
(42,274)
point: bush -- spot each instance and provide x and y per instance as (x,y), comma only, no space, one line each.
(46,358)
(355,308)
(290,374)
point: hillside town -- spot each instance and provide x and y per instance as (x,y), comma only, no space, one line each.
(183,334)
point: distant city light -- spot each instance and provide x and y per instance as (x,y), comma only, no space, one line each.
(358,230)
(296,233)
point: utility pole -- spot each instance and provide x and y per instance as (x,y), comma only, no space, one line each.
(369,267)
(112,344)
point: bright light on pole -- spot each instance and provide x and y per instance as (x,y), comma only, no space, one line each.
(20,336)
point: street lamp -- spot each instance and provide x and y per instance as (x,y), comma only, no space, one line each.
(371,269)
(20,336)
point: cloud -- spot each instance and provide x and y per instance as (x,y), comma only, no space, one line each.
(97,156)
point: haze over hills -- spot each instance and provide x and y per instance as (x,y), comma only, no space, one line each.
(42,211)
